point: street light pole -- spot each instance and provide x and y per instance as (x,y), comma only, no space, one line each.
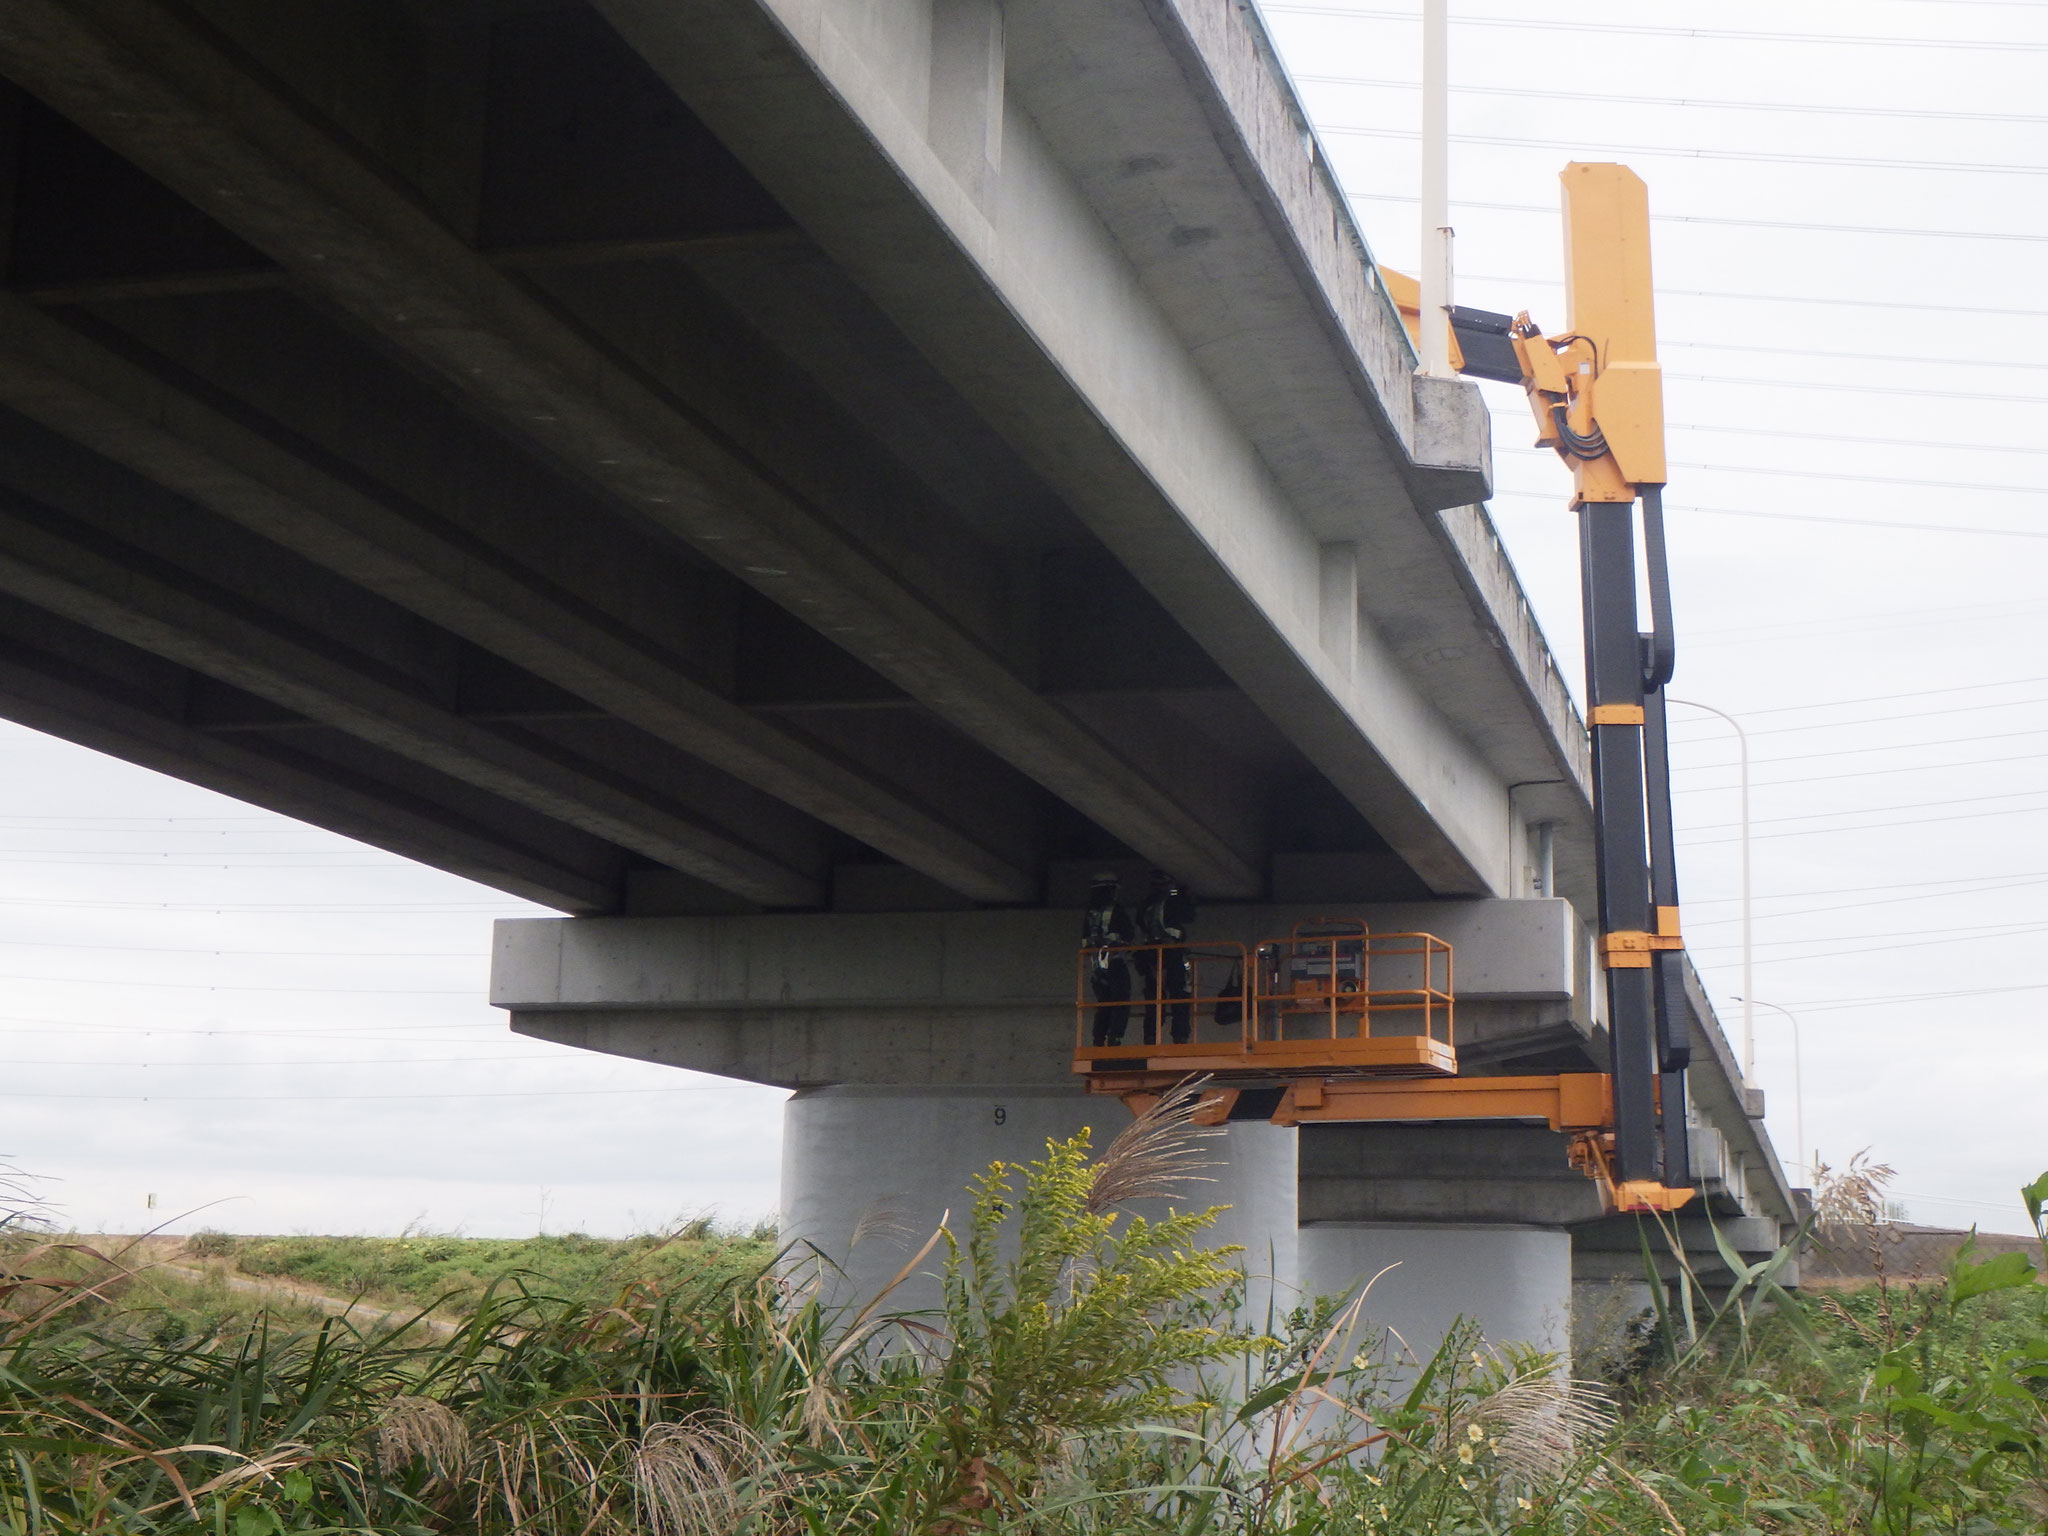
(1748,946)
(1798,1083)
(1433,324)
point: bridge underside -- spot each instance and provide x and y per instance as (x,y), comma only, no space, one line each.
(781,474)
(414,418)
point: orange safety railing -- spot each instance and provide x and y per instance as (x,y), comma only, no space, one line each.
(1198,988)
(1331,997)
(1339,981)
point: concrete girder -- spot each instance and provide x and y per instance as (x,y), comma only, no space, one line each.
(164,95)
(1239,234)
(71,384)
(1486,1173)
(947,999)
(46,695)
(1013,286)
(185,624)
(1725,1101)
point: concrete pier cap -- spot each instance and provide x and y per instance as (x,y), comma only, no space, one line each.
(966,998)
(922,1046)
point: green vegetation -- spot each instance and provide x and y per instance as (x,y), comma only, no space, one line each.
(426,1270)
(1084,1377)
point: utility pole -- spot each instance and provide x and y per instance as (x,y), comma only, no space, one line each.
(1434,323)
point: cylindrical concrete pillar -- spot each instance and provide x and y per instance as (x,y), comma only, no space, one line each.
(909,1153)
(1514,1282)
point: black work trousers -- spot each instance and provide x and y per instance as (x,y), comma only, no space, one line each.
(1110,982)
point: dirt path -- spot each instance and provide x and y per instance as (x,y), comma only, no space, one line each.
(354,1311)
(168,1256)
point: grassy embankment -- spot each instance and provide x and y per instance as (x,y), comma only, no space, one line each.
(212,1280)
(1086,1382)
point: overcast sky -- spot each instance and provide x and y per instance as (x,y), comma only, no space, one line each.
(206,1003)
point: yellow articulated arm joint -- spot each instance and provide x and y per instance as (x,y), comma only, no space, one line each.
(1591,1153)
(1596,388)
(1608,303)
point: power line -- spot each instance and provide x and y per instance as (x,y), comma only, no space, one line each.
(1802,299)
(396,1033)
(2028,925)
(1764,157)
(1696,218)
(1716,637)
(1701,34)
(1872,949)
(167,854)
(257,823)
(1972,529)
(1855,357)
(1875,826)
(1886,698)
(2014,609)
(459,909)
(284,954)
(1520,418)
(203,986)
(1696,103)
(1823,474)
(1849,906)
(1888,999)
(124,863)
(1896,746)
(355,1061)
(2028,876)
(352,1038)
(1749,381)
(1861,773)
(1872,810)
(246,1101)
(1829,725)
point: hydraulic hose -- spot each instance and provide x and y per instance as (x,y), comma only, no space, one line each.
(1663,644)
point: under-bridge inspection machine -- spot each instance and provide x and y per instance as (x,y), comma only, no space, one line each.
(1335,1023)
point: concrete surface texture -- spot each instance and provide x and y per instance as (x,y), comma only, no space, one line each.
(799,484)
(1513,1283)
(750,455)
(905,1034)
(891,1163)
(965,997)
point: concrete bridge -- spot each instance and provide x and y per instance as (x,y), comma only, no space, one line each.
(798,485)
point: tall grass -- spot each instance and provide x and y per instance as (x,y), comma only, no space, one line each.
(1086,1374)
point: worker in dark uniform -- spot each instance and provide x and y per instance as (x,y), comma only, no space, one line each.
(1105,929)
(1169,973)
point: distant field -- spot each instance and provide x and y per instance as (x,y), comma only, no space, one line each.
(212,1277)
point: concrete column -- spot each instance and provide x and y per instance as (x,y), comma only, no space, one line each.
(908,1153)
(1476,1220)
(1514,1282)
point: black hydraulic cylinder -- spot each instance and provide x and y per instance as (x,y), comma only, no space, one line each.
(1662,657)
(1674,1039)
(1674,1030)
(1614,688)
(1677,1140)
